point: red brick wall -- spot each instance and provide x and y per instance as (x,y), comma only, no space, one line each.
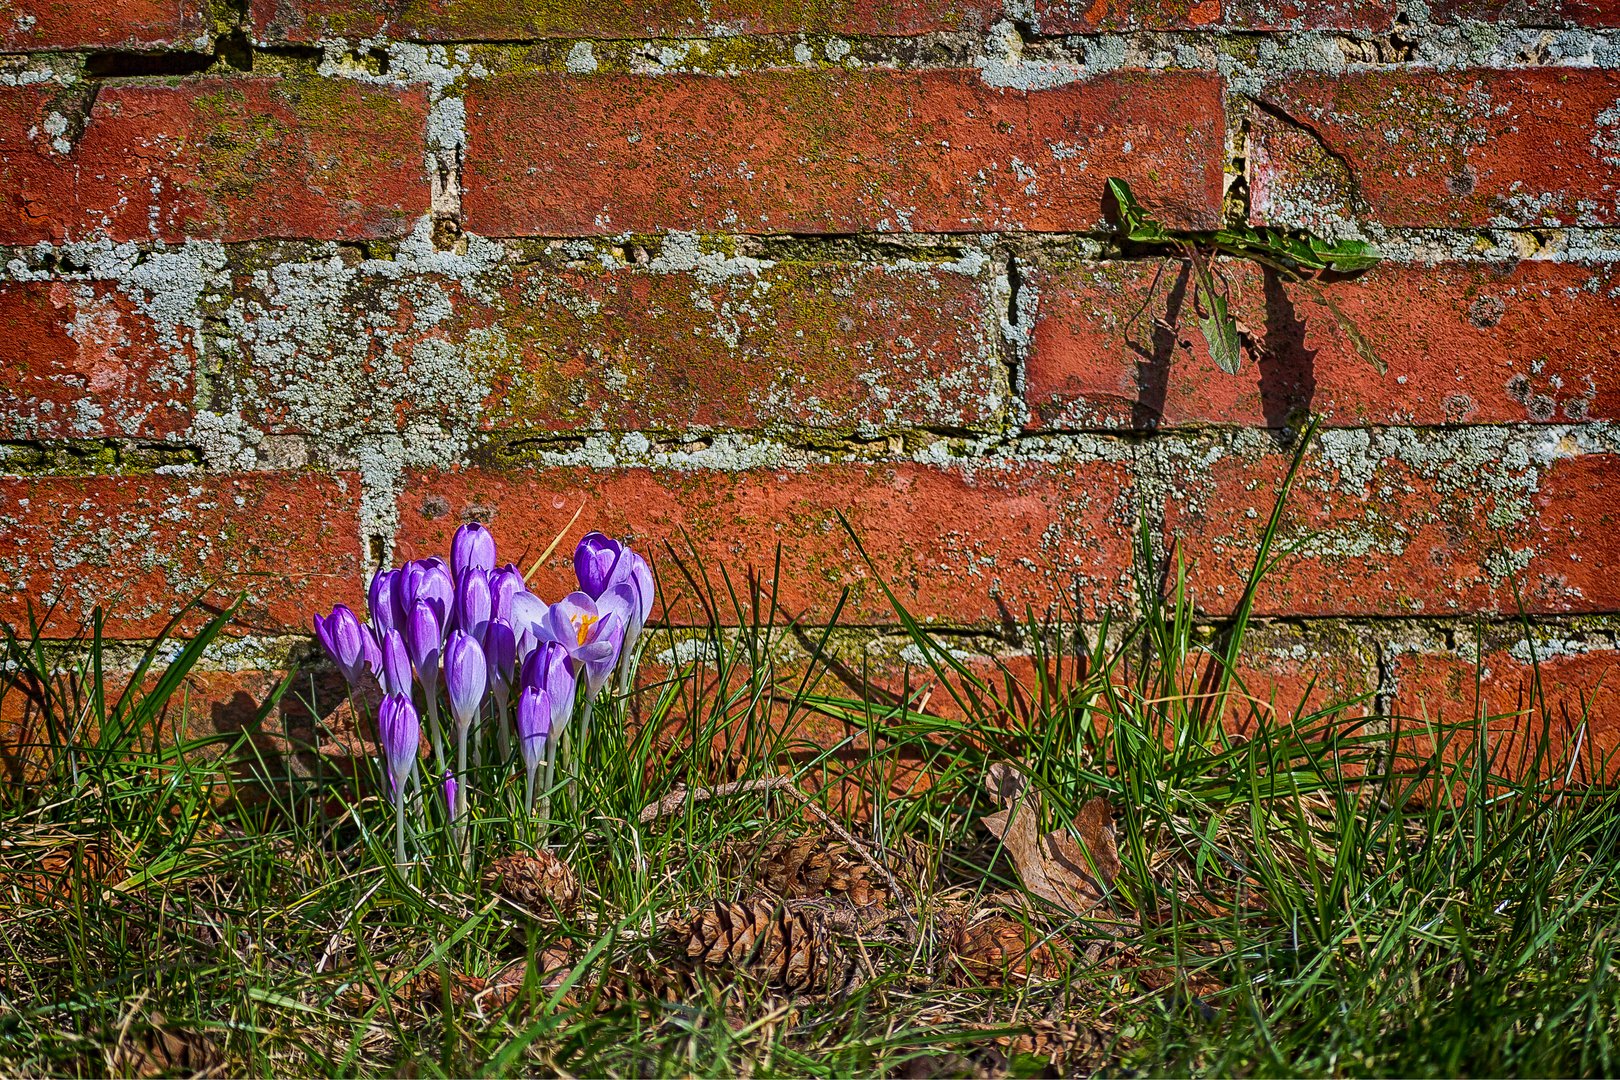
(295,285)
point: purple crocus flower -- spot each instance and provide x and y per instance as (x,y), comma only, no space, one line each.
(504,584)
(529,619)
(345,642)
(423,638)
(534,711)
(473,548)
(380,598)
(591,634)
(450,790)
(500,649)
(466,677)
(595,560)
(396,664)
(399,734)
(473,602)
(428,581)
(548,669)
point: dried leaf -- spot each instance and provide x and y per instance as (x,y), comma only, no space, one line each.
(1052,866)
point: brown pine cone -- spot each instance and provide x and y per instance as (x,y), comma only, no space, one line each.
(806,867)
(539,882)
(759,938)
(998,949)
(165,1051)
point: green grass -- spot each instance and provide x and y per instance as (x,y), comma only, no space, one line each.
(1300,900)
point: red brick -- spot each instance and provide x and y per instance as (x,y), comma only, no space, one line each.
(1530,12)
(818,152)
(143,545)
(806,346)
(224,159)
(1429,149)
(48,25)
(957,545)
(82,361)
(1115,16)
(465,20)
(1408,524)
(1464,344)
(1559,716)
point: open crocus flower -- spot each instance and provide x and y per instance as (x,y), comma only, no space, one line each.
(591,634)
(529,618)
(347,643)
(472,548)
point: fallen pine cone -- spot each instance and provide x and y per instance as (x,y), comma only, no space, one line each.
(165,1051)
(997,949)
(539,882)
(819,864)
(776,945)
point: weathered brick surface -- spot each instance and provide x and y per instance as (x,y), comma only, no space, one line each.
(1409,524)
(968,545)
(1530,12)
(83,360)
(686,344)
(142,546)
(1432,149)
(1113,16)
(471,20)
(225,159)
(1530,343)
(40,25)
(1558,716)
(820,152)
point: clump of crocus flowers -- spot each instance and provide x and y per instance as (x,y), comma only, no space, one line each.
(467,647)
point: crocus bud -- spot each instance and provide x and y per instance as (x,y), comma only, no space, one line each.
(466,677)
(396,664)
(450,790)
(504,584)
(548,669)
(500,649)
(345,642)
(594,561)
(423,640)
(533,725)
(428,581)
(400,734)
(473,602)
(473,548)
(380,599)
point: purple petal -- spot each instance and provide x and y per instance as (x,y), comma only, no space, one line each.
(594,560)
(473,548)
(399,733)
(466,676)
(396,664)
(473,602)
